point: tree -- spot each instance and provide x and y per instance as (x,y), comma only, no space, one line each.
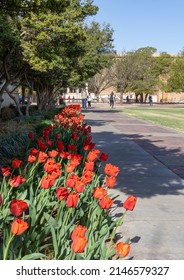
(101,81)
(97,49)
(145,78)
(176,79)
(124,72)
(11,66)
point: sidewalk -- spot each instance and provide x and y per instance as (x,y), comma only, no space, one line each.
(147,155)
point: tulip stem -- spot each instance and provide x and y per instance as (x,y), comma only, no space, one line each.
(115,229)
(7,247)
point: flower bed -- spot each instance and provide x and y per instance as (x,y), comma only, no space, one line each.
(57,206)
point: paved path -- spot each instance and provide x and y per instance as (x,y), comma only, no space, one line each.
(151,162)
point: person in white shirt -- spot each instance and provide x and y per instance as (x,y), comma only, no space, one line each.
(89,99)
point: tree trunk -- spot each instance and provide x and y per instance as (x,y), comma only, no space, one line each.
(16,102)
(146,96)
(2,90)
(23,94)
(137,98)
(28,101)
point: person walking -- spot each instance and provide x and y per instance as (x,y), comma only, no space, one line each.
(84,99)
(112,99)
(89,99)
(150,100)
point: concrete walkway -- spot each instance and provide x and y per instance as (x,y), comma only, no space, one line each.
(151,162)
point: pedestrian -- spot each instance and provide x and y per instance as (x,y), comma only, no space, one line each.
(89,99)
(150,100)
(112,99)
(20,98)
(84,99)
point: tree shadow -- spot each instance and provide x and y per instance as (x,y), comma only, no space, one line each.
(144,169)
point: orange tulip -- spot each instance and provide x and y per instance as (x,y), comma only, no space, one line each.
(72,200)
(70,168)
(111,170)
(71,180)
(79,186)
(99,192)
(31,158)
(47,181)
(53,153)
(79,244)
(93,155)
(122,249)
(89,166)
(130,202)
(110,181)
(19,226)
(42,157)
(106,202)
(79,231)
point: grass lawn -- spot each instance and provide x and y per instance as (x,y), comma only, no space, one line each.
(169,117)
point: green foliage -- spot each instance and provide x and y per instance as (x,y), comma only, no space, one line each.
(176,79)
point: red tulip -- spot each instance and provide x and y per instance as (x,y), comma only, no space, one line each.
(17,181)
(72,200)
(130,202)
(6,171)
(62,193)
(16,163)
(17,207)
(30,135)
(103,157)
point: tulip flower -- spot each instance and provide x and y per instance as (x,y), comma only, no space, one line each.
(130,202)
(122,249)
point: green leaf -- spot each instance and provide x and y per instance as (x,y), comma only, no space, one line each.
(33,256)
(54,239)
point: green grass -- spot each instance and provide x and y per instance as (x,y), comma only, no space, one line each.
(168,117)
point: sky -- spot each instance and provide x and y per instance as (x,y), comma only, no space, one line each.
(142,23)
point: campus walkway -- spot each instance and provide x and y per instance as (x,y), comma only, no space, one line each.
(151,162)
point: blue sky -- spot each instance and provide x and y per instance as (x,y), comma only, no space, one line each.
(142,23)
